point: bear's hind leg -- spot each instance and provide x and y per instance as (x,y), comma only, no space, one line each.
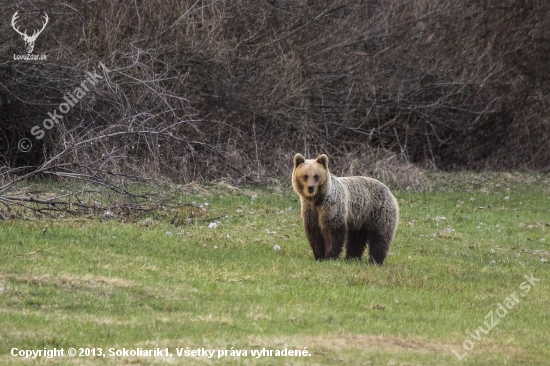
(378,247)
(355,246)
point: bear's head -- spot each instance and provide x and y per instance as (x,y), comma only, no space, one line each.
(311,177)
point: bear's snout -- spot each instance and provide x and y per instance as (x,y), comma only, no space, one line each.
(310,189)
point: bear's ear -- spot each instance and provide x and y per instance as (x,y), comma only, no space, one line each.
(323,160)
(298,159)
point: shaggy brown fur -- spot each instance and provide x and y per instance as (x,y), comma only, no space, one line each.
(354,210)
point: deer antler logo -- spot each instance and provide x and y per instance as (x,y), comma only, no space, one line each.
(29,40)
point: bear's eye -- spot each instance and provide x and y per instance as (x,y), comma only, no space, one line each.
(306,177)
(316,177)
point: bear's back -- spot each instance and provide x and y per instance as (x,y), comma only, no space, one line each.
(364,198)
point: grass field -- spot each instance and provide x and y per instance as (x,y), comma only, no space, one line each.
(208,276)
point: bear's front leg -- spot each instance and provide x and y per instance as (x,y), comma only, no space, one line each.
(335,236)
(313,233)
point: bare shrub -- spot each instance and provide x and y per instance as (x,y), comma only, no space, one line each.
(211,89)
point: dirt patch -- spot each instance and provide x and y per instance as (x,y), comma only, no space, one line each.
(67,280)
(365,342)
(351,341)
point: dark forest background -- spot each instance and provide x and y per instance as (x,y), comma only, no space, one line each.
(218,89)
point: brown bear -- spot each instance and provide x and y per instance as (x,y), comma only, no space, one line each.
(354,210)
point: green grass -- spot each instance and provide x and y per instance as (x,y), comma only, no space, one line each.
(170,281)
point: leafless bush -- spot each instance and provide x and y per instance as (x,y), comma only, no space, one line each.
(208,89)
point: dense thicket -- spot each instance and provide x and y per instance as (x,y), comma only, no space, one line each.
(216,88)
